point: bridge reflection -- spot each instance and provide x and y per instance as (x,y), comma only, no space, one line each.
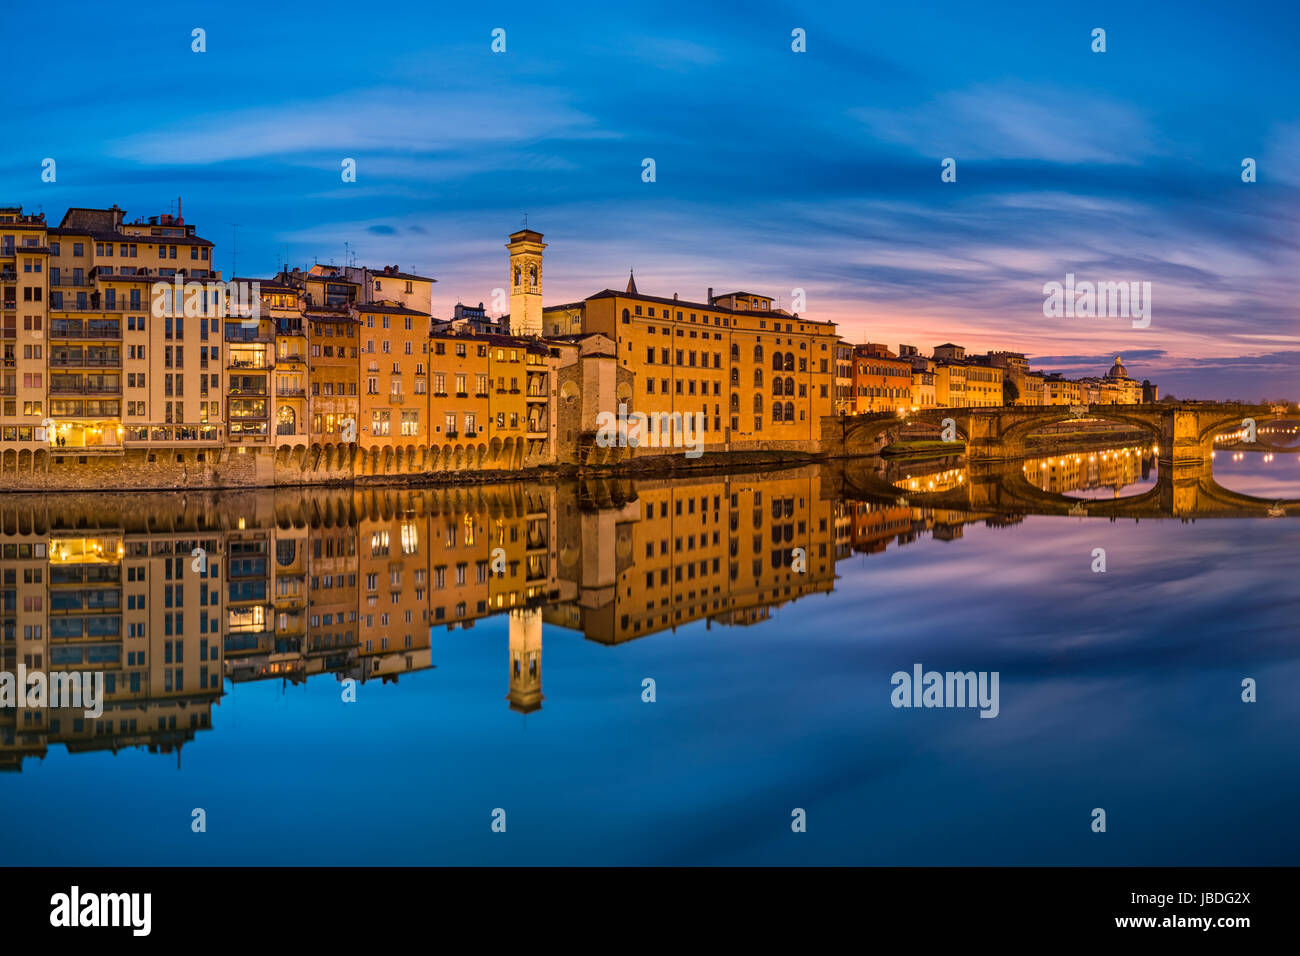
(1037,486)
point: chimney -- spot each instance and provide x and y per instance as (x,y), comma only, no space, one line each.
(674,296)
(180,219)
(709,300)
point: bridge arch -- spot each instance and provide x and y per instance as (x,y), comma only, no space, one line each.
(1215,429)
(860,431)
(1017,433)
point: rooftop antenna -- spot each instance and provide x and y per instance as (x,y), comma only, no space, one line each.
(525,220)
(234,248)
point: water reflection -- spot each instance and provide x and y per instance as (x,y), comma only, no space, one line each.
(476,622)
(1095,473)
(1262,474)
(171,596)
(168,595)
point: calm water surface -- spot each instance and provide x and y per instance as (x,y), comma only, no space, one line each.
(1119,690)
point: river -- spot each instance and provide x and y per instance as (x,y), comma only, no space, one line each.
(679,671)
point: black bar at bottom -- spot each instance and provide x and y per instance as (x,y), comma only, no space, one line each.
(333,905)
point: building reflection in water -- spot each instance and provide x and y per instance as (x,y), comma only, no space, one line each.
(1109,470)
(172,595)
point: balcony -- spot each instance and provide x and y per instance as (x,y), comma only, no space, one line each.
(288,359)
(66,282)
(78,332)
(86,388)
(103,449)
(396,399)
(253,364)
(290,392)
(239,334)
(8,275)
(86,363)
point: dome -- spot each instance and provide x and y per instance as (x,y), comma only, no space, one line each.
(1117,370)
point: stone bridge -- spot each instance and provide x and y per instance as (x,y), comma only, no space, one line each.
(1186,490)
(1183,431)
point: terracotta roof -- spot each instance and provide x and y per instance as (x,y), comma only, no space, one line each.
(389,308)
(722,310)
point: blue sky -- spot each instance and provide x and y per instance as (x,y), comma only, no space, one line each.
(775,170)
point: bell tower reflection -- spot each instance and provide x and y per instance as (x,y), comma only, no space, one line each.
(525,661)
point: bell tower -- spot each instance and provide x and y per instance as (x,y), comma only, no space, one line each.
(526,282)
(526,660)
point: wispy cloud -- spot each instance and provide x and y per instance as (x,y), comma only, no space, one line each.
(381,120)
(1016,122)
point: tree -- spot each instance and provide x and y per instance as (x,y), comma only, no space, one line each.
(1010,392)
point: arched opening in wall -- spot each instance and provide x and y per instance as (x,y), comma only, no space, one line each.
(286,421)
(1259,457)
(1102,455)
(1276,434)
(1058,429)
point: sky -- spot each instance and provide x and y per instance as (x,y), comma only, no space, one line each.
(774,170)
